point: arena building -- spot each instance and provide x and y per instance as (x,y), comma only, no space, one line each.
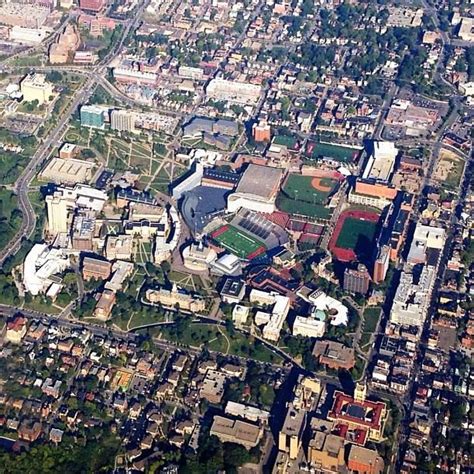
(257,190)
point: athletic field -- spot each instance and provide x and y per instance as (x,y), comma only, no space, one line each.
(344,154)
(308,188)
(354,232)
(239,243)
(354,235)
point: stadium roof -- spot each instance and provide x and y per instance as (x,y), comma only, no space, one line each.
(262,181)
(201,205)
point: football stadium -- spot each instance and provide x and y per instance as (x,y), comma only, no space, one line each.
(238,242)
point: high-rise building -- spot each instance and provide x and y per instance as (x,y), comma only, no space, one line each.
(122,120)
(261,132)
(290,436)
(93,116)
(357,280)
(381,264)
(57,209)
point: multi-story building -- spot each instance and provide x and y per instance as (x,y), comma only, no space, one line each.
(57,209)
(357,280)
(363,417)
(308,327)
(334,355)
(213,385)
(229,430)
(274,322)
(83,232)
(95,268)
(291,434)
(426,245)
(15,330)
(36,87)
(412,298)
(326,452)
(232,91)
(198,257)
(261,132)
(122,120)
(91,5)
(372,193)
(93,116)
(119,247)
(364,461)
(173,297)
(381,264)
(105,304)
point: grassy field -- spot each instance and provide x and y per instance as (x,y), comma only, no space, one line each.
(187,281)
(285,140)
(220,340)
(369,325)
(371,319)
(238,242)
(300,188)
(143,252)
(335,152)
(356,233)
(455,174)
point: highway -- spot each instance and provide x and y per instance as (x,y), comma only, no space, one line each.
(95,76)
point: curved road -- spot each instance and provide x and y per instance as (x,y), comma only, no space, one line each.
(81,96)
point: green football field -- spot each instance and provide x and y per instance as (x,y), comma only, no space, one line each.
(353,231)
(301,188)
(238,242)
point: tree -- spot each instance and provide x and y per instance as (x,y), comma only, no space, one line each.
(54,76)
(165,266)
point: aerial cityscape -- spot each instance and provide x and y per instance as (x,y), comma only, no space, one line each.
(236,237)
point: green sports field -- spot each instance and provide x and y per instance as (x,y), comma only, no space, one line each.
(300,188)
(238,242)
(355,231)
(335,152)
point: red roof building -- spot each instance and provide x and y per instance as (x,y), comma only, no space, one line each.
(363,419)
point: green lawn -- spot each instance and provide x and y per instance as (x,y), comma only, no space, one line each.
(335,152)
(237,242)
(455,174)
(208,335)
(39,304)
(285,140)
(369,325)
(355,233)
(364,342)
(300,188)
(371,319)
